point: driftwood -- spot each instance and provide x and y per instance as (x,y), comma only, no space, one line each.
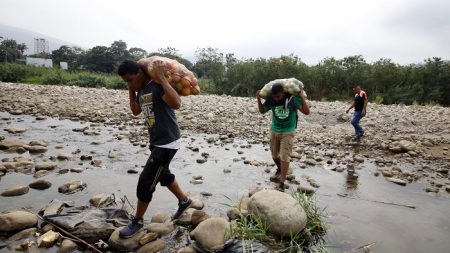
(376,201)
(74,237)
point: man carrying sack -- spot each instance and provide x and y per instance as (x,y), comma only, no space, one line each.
(284,108)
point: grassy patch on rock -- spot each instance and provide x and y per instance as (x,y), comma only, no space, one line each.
(250,227)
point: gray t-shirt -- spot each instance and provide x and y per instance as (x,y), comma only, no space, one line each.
(159,117)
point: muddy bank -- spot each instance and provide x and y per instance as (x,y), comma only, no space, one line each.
(224,140)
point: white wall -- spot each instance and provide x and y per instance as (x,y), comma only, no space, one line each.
(41,62)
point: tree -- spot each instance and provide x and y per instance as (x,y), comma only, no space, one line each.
(65,54)
(137,53)
(99,59)
(10,50)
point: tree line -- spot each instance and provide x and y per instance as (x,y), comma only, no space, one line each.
(331,79)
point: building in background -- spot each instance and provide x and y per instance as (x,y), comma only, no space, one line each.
(41,46)
(40,62)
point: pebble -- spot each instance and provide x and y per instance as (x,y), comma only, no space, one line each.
(15,191)
(40,184)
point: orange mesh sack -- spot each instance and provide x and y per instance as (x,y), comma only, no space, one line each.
(181,79)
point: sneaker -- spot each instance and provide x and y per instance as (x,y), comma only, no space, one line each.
(182,206)
(280,187)
(131,229)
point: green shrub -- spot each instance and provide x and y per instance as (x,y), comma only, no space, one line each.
(12,72)
(54,78)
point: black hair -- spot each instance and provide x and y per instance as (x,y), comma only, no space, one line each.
(277,88)
(128,67)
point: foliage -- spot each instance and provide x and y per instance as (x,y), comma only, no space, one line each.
(41,75)
(330,79)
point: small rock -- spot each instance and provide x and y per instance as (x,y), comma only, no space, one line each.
(48,239)
(40,173)
(45,166)
(397,181)
(102,200)
(160,228)
(72,186)
(197,204)
(198,181)
(40,184)
(113,153)
(160,218)
(77,169)
(226,171)
(447,188)
(15,130)
(11,144)
(148,238)
(358,158)
(15,191)
(96,162)
(233,214)
(37,149)
(64,156)
(153,247)
(23,234)
(197,177)
(132,171)
(47,228)
(201,160)
(67,246)
(432,189)
(206,194)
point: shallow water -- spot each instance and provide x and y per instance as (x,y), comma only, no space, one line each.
(353,222)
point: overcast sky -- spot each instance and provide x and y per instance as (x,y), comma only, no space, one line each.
(407,31)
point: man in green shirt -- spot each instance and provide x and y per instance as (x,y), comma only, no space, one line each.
(284,108)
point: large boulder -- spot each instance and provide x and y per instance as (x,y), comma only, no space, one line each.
(280,211)
(118,244)
(210,234)
(17,220)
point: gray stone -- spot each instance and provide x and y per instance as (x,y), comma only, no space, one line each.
(197,204)
(29,232)
(72,186)
(77,169)
(44,166)
(64,156)
(17,220)
(40,184)
(48,239)
(11,144)
(153,247)
(210,234)
(233,214)
(160,218)
(280,211)
(397,181)
(358,158)
(148,238)
(160,228)
(37,149)
(39,143)
(15,130)
(15,191)
(40,173)
(67,246)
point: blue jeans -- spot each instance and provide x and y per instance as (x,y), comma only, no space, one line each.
(355,122)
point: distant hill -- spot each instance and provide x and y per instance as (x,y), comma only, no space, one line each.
(27,37)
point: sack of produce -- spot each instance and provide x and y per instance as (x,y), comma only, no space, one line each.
(181,79)
(290,85)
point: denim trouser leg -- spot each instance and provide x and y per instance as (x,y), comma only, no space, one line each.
(355,122)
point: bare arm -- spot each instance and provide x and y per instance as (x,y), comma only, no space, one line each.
(352,106)
(135,108)
(260,105)
(304,108)
(366,101)
(170,97)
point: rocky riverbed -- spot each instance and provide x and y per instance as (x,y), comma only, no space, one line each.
(57,140)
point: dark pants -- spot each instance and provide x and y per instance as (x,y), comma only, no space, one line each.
(156,170)
(355,122)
